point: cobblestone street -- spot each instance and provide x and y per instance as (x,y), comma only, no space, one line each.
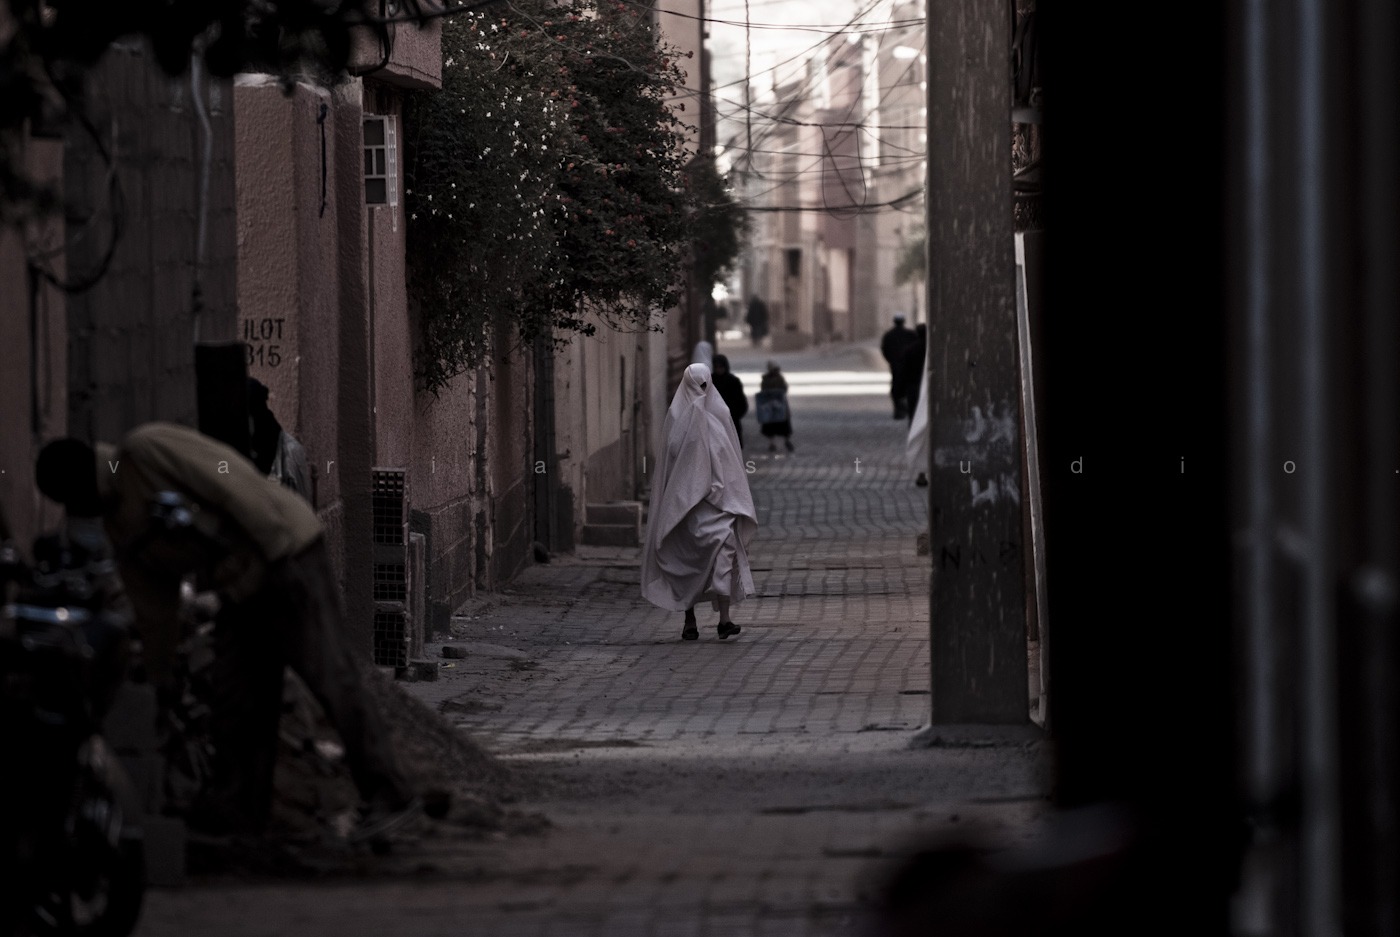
(754,786)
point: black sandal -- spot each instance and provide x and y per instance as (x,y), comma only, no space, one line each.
(726,628)
(690,632)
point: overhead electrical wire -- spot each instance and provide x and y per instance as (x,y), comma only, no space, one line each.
(832,29)
(806,53)
(862,126)
(804,87)
(907,197)
(415,13)
(826,142)
(748,83)
(827,162)
(793,122)
(896,85)
(756,3)
(912,155)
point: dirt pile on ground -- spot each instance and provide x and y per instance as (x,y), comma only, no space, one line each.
(316,803)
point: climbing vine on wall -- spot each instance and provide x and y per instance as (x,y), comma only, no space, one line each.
(545,182)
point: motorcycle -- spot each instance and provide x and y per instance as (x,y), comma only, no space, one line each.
(73,858)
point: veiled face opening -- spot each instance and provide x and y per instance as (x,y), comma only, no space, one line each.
(696,379)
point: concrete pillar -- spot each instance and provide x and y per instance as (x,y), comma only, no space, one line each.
(354,415)
(977,620)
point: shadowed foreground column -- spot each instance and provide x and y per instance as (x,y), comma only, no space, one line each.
(977,604)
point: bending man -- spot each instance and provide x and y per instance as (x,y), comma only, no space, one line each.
(261,547)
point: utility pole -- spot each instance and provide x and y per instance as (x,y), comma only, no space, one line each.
(977,613)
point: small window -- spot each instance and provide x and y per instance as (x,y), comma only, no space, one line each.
(381,162)
(794,261)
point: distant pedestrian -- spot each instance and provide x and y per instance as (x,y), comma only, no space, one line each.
(774,415)
(701,518)
(704,353)
(757,319)
(912,368)
(893,344)
(710,315)
(731,391)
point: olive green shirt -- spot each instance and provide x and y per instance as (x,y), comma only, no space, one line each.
(255,521)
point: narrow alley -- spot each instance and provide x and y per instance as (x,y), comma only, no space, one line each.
(756,786)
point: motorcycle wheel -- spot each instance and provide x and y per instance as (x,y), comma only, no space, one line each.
(99,886)
(106,903)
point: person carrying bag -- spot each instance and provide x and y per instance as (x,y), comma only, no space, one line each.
(771,408)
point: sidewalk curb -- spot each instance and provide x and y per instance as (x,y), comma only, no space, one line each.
(978,736)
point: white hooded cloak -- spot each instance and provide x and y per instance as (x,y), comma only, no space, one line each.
(916,446)
(701,518)
(704,354)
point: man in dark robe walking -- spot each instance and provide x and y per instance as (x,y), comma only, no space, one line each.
(731,391)
(911,370)
(757,319)
(893,344)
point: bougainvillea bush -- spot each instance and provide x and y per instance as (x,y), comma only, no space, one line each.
(546,183)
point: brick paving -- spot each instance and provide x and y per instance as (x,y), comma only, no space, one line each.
(752,786)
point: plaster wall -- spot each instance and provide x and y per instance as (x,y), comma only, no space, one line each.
(392,349)
(354,421)
(658,398)
(464,449)
(292,231)
(132,334)
(276,242)
(601,383)
(510,455)
(413,60)
(34,381)
(682,26)
(571,428)
(449,492)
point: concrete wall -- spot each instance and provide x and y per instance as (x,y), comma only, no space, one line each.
(325,285)
(450,491)
(414,57)
(392,349)
(350,533)
(467,450)
(288,288)
(602,386)
(510,454)
(977,611)
(299,221)
(611,368)
(682,27)
(658,399)
(34,380)
(898,110)
(844,287)
(132,334)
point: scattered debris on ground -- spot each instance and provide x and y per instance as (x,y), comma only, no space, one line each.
(315,802)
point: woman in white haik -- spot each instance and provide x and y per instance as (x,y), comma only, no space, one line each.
(701,517)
